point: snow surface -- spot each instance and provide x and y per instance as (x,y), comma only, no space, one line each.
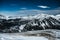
(19,37)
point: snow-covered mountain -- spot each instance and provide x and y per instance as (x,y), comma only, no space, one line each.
(29,23)
(40,16)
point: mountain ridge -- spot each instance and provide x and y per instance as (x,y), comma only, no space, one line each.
(30,23)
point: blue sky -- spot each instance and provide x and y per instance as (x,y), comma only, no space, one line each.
(14,7)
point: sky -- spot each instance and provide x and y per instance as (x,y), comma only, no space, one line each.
(28,7)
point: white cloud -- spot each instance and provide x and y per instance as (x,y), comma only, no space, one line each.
(23,8)
(43,6)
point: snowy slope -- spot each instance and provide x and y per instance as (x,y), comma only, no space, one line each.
(19,37)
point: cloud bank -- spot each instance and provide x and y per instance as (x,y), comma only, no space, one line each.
(43,6)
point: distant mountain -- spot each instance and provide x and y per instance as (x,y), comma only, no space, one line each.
(29,23)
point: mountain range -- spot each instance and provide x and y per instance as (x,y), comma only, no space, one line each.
(29,23)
